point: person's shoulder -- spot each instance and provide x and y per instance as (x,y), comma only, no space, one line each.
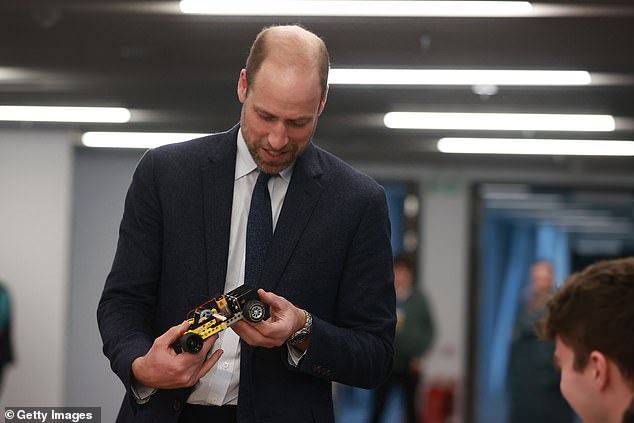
(201,146)
(193,153)
(344,174)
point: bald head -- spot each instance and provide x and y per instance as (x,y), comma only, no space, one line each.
(289,46)
(542,278)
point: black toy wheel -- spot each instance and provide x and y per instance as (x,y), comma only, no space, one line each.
(254,311)
(191,343)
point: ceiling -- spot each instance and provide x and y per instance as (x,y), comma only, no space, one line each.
(178,72)
(596,220)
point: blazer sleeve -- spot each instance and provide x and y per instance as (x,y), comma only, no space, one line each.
(126,310)
(356,348)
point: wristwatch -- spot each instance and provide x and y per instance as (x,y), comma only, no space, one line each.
(303,333)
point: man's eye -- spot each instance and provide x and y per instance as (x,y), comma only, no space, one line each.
(267,118)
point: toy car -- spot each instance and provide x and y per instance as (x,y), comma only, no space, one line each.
(218,314)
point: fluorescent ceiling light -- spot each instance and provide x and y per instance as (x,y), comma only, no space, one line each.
(532,206)
(613,228)
(457,77)
(134,139)
(499,121)
(7,73)
(358,8)
(536,146)
(64,114)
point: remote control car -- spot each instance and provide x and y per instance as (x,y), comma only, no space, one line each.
(218,314)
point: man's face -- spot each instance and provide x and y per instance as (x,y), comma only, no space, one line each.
(402,277)
(279,113)
(578,388)
(542,279)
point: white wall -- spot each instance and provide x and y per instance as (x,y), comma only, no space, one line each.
(35,184)
(101,179)
(444,260)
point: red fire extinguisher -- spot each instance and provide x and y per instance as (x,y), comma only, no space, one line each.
(438,402)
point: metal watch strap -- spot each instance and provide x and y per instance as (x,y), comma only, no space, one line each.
(301,334)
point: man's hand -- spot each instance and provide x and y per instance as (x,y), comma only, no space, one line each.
(285,319)
(162,368)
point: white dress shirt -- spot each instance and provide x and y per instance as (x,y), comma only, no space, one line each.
(220,385)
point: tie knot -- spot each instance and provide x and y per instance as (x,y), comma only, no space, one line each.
(264,177)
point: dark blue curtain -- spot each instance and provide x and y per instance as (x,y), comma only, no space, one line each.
(508,249)
(395,193)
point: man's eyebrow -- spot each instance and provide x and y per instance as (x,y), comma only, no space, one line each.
(556,362)
(298,119)
(262,111)
(301,119)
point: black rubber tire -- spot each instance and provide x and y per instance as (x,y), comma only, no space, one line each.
(254,311)
(191,343)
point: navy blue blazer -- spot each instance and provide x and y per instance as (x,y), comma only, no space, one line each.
(330,255)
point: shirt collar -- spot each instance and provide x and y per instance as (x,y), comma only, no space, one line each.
(245,163)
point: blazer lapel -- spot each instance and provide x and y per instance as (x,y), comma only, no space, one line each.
(301,198)
(217,183)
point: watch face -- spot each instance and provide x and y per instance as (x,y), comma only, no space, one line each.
(303,333)
(298,338)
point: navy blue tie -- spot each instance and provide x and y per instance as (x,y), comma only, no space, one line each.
(259,230)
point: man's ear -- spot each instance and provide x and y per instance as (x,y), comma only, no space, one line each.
(599,367)
(242,86)
(322,103)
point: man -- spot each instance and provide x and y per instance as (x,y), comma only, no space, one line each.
(414,335)
(326,274)
(534,382)
(591,320)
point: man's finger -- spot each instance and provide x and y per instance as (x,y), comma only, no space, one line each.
(271,299)
(247,332)
(208,364)
(208,344)
(242,328)
(172,334)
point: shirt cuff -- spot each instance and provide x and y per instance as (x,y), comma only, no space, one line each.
(140,392)
(294,354)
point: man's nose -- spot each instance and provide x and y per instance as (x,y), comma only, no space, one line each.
(278,137)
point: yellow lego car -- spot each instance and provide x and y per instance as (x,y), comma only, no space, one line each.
(218,314)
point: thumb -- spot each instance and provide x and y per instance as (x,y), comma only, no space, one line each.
(271,299)
(173,333)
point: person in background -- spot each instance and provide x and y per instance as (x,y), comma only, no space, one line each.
(6,347)
(591,321)
(534,383)
(414,336)
(258,204)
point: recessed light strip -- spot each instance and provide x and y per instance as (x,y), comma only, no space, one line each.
(457,77)
(64,114)
(7,73)
(499,121)
(358,8)
(558,147)
(134,139)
